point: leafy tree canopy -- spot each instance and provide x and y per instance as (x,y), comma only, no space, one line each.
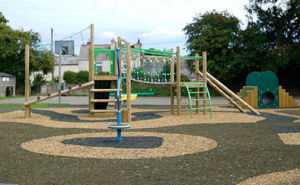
(217,34)
(276,25)
(270,41)
(12,52)
(2,19)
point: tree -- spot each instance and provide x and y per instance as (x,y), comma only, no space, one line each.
(278,26)
(217,33)
(2,19)
(12,52)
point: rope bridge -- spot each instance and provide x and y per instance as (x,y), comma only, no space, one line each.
(149,66)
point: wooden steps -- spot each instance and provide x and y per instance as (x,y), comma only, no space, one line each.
(106,77)
(100,105)
(104,90)
(286,100)
(104,100)
(249,94)
(106,110)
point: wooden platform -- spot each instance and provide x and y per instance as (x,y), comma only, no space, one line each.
(106,77)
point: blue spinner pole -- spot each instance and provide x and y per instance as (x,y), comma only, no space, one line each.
(119,137)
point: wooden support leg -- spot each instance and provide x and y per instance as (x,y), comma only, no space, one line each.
(27,111)
(172,94)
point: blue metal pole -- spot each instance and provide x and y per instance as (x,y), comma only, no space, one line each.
(119,137)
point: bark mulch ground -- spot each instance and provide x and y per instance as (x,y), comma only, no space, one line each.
(244,151)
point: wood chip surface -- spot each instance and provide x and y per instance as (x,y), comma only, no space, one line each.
(172,145)
(290,177)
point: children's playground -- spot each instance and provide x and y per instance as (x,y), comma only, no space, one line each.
(120,137)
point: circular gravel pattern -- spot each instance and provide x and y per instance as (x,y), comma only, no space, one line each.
(291,177)
(172,145)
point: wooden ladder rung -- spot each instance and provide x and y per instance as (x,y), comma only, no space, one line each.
(104,90)
(105,110)
(104,100)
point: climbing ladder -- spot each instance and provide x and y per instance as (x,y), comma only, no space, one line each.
(100,95)
(197,89)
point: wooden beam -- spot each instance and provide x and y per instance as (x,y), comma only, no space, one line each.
(128,82)
(27,85)
(106,77)
(197,80)
(172,89)
(105,100)
(232,94)
(104,90)
(220,91)
(204,70)
(88,84)
(91,69)
(178,82)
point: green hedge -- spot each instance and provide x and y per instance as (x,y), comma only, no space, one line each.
(76,78)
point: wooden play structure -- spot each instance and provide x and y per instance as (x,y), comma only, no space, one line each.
(144,66)
(263,91)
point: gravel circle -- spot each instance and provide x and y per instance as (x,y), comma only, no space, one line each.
(291,177)
(172,145)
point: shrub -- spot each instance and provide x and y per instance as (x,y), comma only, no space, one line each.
(82,77)
(70,77)
(37,83)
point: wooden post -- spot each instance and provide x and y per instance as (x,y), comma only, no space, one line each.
(128,82)
(92,59)
(91,70)
(197,80)
(27,85)
(172,87)
(178,82)
(204,70)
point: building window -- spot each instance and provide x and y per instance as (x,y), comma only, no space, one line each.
(5,79)
(99,68)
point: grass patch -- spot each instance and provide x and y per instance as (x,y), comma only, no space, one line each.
(6,111)
(10,97)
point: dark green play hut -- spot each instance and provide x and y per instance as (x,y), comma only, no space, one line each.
(267,86)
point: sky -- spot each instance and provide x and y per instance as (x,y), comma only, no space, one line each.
(158,23)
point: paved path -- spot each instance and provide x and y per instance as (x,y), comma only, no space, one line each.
(83,100)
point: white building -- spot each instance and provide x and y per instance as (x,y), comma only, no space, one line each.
(103,62)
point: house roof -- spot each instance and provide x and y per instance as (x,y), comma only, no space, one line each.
(5,74)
